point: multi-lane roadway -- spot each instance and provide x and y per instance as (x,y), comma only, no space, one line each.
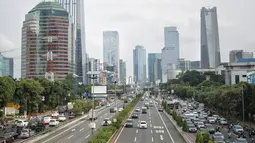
(160,129)
(80,132)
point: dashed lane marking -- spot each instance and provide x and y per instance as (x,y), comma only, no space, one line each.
(87,136)
(135,139)
(73,130)
(151,132)
(150,125)
(70,137)
(152,140)
(161,137)
(136,131)
(81,129)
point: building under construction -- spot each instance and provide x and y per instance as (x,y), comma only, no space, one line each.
(47,42)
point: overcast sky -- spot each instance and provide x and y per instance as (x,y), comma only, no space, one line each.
(141,22)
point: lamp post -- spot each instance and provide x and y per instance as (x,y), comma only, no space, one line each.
(93,76)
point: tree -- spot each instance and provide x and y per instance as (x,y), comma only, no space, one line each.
(206,137)
(193,78)
(30,92)
(7,90)
(199,138)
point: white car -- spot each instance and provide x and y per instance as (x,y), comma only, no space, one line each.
(22,123)
(143,125)
(26,133)
(53,122)
(46,120)
(62,118)
(200,125)
(107,122)
(120,109)
(108,105)
(55,115)
(211,120)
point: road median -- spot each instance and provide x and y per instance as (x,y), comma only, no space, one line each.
(110,133)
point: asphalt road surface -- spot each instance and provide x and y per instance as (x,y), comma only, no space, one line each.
(160,129)
(81,132)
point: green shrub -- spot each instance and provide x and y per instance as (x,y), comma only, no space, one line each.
(185,126)
(174,114)
(179,120)
(199,138)
(206,137)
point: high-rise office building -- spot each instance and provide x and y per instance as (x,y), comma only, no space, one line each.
(47,44)
(172,44)
(93,65)
(75,9)
(152,58)
(123,70)
(195,65)
(235,55)
(111,51)
(184,65)
(139,63)
(210,45)
(157,70)
(6,66)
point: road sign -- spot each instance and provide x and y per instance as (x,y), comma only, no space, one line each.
(16,106)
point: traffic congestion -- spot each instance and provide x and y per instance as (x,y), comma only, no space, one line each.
(201,119)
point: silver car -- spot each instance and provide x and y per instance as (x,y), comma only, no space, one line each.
(218,135)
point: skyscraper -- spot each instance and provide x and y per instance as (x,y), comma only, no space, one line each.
(111,50)
(123,71)
(47,44)
(152,58)
(93,65)
(172,43)
(75,9)
(139,63)
(6,66)
(210,46)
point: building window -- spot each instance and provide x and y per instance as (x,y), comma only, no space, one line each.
(237,80)
(244,76)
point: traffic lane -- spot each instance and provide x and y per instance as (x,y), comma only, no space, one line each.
(78,137)
(128,135)
(69,130)
(145,135)
(161,133)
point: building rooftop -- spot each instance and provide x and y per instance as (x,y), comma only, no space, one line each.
(46,5)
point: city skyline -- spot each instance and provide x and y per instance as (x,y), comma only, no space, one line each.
(230,26)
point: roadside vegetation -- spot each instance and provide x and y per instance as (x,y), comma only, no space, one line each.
(223,99)
(105,133)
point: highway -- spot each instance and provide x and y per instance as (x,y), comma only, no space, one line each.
(160,129)
(81,132)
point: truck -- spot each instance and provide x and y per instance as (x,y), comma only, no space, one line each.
(144,110)
(95,115)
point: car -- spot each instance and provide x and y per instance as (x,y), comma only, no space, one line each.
(129,123)
(200,125)
(120,109)
(237,129)
(62,118)
(217,135)
(137,109)
(211,120)
(53,122)
(223,121)
(26,133)
(160,109)
(22,123)
(210,128)
(46,120)
(108,105)
(218,140)
(241,140)
(192,128)
(143,125)
(112,110)
(107,122)
(55,115)
(134,115)
(71,115)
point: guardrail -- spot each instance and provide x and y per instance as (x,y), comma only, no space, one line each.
(179,129)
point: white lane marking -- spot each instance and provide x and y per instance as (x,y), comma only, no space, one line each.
(152,140)
(165,125)
(87,136)
(70,137)
(150,125)
(150,120)
(73,130)
(136,131)
(135,139)
(161,137)
(151,131)
(81,129)
(71,127)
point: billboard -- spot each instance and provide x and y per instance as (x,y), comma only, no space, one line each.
(99,89)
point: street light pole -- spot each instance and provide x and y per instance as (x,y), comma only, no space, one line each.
(115,95)
(243,100)
(93,104)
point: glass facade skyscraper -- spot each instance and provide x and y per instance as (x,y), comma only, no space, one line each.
(123,71)
(75,8)
(210,45)
(47,20)
(172,43)
(6,66)
(139,63)
(152,58)
(111,50)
